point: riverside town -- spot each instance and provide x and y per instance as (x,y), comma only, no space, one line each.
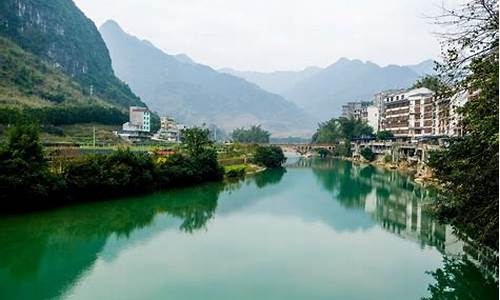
(216,150)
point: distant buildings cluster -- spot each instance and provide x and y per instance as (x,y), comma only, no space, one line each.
(169,130)
(413,113)
(138,128)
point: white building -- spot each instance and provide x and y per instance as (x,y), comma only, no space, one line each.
(169,130)
(456,127)
(373,117)
(139,125)
(409,113)
(139,120)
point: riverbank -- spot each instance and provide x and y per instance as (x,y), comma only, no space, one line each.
(420,172)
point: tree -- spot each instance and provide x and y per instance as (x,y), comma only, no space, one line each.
(433,83)
(385,135)
(468,169)
(196,141)
(323,152)
(24,172)
(253,135)
(269,156)
(341,129)
(461,279)
(368,154)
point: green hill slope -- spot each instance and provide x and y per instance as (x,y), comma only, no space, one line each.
(31,87)
(59,33)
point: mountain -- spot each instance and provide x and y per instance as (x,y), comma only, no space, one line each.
(424,68)
(324,93)
(274,82)
(321,92)
(59,33)
(195,93)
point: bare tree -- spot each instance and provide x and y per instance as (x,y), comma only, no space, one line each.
(471,32)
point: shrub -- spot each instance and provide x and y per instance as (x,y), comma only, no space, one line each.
(323,152)
(368,154)
(269,156)
(235,171)
(385,135)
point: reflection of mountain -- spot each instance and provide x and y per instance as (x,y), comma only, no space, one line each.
(46,253)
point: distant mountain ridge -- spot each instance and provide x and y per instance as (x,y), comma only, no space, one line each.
(195,93)
(323,91)
(274,82)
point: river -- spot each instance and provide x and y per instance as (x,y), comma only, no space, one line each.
(322,229)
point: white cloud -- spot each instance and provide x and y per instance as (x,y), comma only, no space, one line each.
(278,34)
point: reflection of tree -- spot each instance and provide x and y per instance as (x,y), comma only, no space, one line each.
(269,177)
(352,183)
(196,210)
(43,254)
(460,279)
(390,197)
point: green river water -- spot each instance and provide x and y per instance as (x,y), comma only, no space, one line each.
(322,229)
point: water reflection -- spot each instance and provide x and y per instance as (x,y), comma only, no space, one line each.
(397,203)
(460,279)
(391,198)
(252,229)
(45,253)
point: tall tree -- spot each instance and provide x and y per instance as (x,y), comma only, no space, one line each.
(196,141)
(469,167)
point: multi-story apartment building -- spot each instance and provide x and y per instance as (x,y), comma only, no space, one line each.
(409,114)
(364,111)
(372,117)
(139,120)
(169,130)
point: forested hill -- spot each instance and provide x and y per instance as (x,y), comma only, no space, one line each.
(59,33)
(40,91)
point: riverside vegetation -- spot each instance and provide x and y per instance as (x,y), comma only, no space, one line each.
(26,174)
(467,170)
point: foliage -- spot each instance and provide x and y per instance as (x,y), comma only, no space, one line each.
(196,140)
(343,149)
(461,280)
(433,83)
(63,115)
(385,135)
(24,172)
(341,129)
(368,154)
(468,169)
(253,135)
(68,39)
(323,152)
(269,156)
(235,171)
(26,181)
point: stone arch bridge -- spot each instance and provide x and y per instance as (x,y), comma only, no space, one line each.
(304,149)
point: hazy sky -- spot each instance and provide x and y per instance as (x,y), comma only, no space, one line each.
(269,35)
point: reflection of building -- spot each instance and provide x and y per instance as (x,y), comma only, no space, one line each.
(138,126)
